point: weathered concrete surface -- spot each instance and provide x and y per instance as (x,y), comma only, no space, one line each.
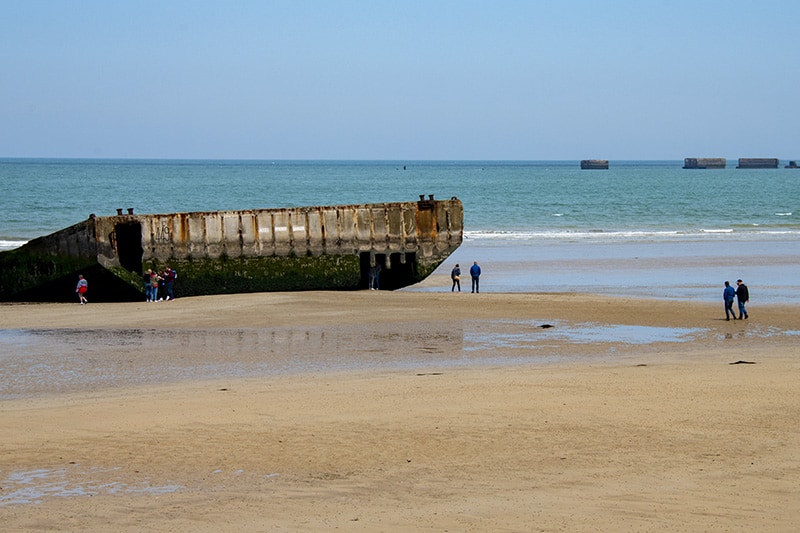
(594,164)
(704,162)
(301,248)
(769,162)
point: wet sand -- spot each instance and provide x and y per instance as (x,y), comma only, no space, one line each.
(667,268)
(378,411)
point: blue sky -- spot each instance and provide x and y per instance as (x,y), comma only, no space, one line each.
(401,80)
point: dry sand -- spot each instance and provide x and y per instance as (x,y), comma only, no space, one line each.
(667,436)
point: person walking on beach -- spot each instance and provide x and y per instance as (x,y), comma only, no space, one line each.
(728,294)
(455,275)
(742,295)
(475,273)
(81,289)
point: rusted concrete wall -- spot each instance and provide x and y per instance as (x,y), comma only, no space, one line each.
(303,248)
(75,241)
(426,228)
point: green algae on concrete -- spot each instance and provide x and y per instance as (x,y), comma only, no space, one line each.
(197,276)
(254,250)
(23,272)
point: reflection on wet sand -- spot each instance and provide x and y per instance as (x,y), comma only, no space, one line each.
(54,361)
(38,362)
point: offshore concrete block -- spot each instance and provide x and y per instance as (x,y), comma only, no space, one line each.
(594,164)
(702,163)
(756,162)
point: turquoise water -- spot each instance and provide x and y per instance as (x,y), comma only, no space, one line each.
(641,228)
(506,200)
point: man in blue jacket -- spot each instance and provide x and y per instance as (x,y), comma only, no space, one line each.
(475,272)
(728,294)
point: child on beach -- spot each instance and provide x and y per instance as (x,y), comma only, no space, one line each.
(81,289)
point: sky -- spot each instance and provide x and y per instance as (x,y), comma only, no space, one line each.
(400,80)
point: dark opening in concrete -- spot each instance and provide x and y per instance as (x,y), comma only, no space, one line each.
(129,245)
(392,275)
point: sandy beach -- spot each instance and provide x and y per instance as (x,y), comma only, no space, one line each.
(442,412)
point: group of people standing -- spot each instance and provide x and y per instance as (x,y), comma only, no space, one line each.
(159,286)
(474,272)
(741,294)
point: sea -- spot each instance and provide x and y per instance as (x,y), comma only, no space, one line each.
(639,228)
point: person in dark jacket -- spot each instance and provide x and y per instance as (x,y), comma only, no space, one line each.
(728,294)
(169,276)
(148,293)
(455,275)
(375,277)
(742,295)
(475,273)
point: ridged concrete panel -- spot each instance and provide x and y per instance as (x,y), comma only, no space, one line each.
(299,248)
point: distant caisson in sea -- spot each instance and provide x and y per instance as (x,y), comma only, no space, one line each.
(702,163)
(594,164)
